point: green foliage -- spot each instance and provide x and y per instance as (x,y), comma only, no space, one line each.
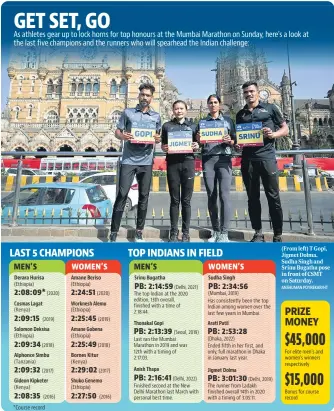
(284,173)
(159,173)
(283,143)
(199,117)
(233,114)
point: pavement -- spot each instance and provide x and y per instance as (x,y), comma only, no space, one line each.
(293,205)
(126,234)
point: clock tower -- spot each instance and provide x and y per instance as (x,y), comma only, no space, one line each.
(236,67)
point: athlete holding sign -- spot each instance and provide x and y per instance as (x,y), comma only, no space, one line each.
(178,141)
(137,159)
(259,160)
(217,136)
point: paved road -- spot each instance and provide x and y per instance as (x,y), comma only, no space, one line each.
(293,202)
(322,203)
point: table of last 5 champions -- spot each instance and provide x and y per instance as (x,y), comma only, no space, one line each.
(156,326)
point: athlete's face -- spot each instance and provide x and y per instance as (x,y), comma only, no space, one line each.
(179,111)
(213,105)
(145,97)
(251,94)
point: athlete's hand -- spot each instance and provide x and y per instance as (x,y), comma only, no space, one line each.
(126,136)
(164,148)
(268,133)
(227,140)
(195,146)
(198,136)
(157,138)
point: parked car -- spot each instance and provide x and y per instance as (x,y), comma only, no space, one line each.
(59,203)
(85,174)
(25,172)
(329,178)
(108,181)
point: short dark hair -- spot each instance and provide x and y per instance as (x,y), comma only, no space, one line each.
(215,96)
(147,86)
(180,102)
(250,83)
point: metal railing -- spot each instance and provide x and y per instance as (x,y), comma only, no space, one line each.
(160,219)
(304,166)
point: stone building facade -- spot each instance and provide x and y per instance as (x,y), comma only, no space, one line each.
(315,117)
(235,67)
(71,100)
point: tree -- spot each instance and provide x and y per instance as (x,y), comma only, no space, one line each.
(283,143)
(199,117)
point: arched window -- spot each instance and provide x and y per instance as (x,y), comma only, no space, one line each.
(49,89)
(30,59)
(19,149)
(30,107)
(320,121)
(146,60)
(20,83)
(82,115)
(315,121)
(122,88)
(114,117)
(65,147)
(17,110)
(32,89)
(330,123)
(88,88)
(73,87)
(145,80)
(96,88)
(59,88)
(52,117)
(80,88)
(113,88)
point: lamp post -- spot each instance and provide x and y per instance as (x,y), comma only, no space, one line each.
(297,161)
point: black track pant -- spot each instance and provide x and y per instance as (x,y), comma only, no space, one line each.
(181,176)
(252,171)
(217,173)
(144,177)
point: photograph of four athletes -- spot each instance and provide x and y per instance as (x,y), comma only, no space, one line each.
(258,162)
